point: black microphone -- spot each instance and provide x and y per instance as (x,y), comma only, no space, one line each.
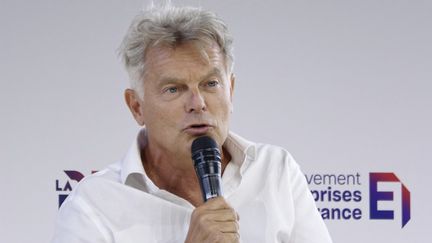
(207,161)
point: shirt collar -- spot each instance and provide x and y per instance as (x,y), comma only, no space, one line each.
(133,174)
(131,163)
(241,150)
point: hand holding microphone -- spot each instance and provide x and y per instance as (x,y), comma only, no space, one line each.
(215,220)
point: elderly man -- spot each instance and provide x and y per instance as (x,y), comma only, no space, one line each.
(180,65)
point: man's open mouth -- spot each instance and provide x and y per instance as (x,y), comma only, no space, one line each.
(198,129)
(199,126)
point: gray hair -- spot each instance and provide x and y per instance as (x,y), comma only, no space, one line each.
(169,25)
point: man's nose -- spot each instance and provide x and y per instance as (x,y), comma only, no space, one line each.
(195,102)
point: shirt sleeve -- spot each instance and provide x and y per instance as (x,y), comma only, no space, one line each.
(309,226)
(78,223)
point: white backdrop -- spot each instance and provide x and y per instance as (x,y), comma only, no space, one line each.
(345,86)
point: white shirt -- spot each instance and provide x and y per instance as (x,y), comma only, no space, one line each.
(262,183)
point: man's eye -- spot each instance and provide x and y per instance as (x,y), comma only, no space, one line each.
(171,90)
(213,83)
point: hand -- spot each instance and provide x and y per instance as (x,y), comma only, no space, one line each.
(214,221)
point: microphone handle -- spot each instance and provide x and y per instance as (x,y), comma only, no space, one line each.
(209,174)
(211,186)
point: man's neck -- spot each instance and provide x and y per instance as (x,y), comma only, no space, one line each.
(166,173)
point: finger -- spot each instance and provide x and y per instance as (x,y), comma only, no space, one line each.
(215,204)
(231,237)
(228,227)
(209,216)
(223,215)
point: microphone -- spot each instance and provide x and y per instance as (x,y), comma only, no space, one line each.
(207,161)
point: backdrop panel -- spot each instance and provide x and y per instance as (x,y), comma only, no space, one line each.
(343,85)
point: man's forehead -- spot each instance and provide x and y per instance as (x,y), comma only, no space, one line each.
(188,55)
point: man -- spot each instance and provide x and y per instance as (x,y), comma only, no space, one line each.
(180,65)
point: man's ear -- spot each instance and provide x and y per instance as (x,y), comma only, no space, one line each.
(135,105)
(232,85)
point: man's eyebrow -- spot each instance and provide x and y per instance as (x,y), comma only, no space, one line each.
(214,72)
(170,80)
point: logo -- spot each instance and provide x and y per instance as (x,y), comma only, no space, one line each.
(65,188)
(342,197)
(376,196)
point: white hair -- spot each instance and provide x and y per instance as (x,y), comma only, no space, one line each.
(171,26)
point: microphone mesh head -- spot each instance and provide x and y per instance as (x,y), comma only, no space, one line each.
(204,142)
